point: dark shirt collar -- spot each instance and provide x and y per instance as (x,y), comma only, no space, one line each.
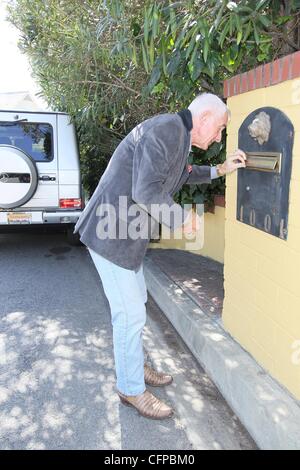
(187,120)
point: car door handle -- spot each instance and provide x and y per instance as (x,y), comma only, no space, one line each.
(47,178)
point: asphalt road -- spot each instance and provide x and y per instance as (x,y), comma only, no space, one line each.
(57,382)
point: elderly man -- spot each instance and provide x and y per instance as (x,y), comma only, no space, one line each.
(148,167)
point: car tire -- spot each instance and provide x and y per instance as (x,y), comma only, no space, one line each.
(15,162)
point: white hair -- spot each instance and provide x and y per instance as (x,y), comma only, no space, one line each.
(208,102)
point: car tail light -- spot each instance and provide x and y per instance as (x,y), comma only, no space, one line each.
(70,203)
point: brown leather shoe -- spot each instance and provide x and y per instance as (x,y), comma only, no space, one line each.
(147,405)
(156,379)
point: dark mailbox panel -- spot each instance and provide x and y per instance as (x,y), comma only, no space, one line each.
(267,137)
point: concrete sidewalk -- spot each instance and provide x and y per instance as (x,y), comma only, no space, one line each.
(201,281)
(188,289)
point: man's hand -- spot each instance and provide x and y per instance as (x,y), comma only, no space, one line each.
(191,224)
(233,162)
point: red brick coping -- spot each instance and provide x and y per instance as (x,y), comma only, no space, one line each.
(279,70)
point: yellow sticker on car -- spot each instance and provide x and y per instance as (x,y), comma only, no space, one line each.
(19,218)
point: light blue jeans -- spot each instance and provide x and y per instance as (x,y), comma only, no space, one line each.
(126,292)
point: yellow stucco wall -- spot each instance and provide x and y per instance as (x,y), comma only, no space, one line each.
(262,272)
(214,237)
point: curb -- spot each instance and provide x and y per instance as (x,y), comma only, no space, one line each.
(269,413)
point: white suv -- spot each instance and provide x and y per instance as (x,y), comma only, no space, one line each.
(40,179)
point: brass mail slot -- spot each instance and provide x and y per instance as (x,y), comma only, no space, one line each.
(264,161)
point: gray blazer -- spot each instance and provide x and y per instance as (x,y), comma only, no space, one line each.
(148,167)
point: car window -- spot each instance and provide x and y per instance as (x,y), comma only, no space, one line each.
(35,139)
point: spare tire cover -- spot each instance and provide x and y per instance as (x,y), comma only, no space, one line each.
(18,177)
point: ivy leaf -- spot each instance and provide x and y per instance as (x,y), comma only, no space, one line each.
(261,57)
(151,51)
(205,50)
(146,28)
(264,20)
(199,197)
(239,37)
(155,76)
(260,4)
(174,62)
(173,22)
(256,36)
(196,68)
(191,47)
(282,20)
(234,50)
(155,22)
(223,34)
(158,88)
(136,29)
(145,58)
(247,31)
(211,67)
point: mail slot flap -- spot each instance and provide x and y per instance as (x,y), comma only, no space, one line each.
(264,161)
